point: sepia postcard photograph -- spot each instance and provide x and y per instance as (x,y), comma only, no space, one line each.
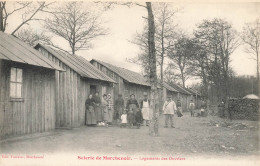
(129,82)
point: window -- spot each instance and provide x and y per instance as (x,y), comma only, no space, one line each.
(16,82)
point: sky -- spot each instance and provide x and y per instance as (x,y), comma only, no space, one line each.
(123,23)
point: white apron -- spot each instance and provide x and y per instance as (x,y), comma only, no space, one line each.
(145,110)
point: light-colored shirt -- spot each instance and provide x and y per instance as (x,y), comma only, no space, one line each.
(124,118)
(192,106)
(169,107)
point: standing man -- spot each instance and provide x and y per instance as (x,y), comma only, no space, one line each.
(191,108)
(145,107)
(221,108)
(169,108)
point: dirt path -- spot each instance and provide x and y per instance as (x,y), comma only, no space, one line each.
(192,136)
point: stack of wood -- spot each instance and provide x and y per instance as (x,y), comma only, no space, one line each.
(244,109)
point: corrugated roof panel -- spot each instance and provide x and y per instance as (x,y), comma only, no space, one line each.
(84,68)
(40,59)
(22,53)
(180,89)
(14,49)
(96,72)
(170,88)
(127,75)
(193,91)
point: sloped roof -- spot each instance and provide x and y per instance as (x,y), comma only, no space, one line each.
(13,49)
(127,75)
(180,89)
(83,67)
(169,87)
(193,91)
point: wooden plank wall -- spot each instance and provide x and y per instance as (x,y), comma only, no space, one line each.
(35,112)
(68,84)
(68,94)
(71,93)
(2,94)
(137,90)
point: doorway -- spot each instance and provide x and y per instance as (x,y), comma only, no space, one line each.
(93,89)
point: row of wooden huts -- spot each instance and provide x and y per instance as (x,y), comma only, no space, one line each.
(42,88)
(129,82)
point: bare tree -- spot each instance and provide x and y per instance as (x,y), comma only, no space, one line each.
(151,69)
(170,75)
(251,38)
(77,25)
(181,57)
(31,37)
(219,40)
(154,125)
(165,36)
(29,11)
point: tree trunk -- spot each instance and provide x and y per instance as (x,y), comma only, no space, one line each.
(154,125)
(182,78)
(257,73)
(73,50)
(1,17)
(161,90)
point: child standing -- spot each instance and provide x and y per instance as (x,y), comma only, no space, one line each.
(123,119)
(138,118)
(130,118)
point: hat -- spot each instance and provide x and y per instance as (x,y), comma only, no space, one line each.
(145,93)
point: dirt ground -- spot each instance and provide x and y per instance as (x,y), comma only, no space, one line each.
(197,136)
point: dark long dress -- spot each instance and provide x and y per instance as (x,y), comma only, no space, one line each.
(90,112)
(119,107)
(132,106)
(97,107)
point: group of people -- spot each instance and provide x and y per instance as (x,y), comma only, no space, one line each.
(98,110)
(105,112)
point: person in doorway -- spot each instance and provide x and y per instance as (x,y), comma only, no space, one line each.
(169,108)
(119,107)
(90,111)
(132,106)
(98,110)
(105,109)
(191,108)
(110,109)
(145,107)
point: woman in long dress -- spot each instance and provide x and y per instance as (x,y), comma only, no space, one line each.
(110,109)
(104,108)
(145,107)
(90,111)
(98,110)
(132,106)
